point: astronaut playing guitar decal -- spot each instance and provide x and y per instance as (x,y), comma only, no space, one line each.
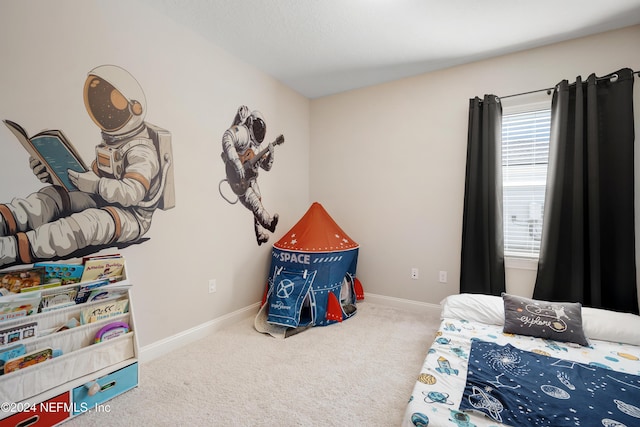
(239,145)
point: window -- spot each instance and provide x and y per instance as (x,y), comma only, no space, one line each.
(525,156)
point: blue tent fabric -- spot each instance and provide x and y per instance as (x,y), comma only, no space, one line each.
(292,283)
(289,293)
(312,274)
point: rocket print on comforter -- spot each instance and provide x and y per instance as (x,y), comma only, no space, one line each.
(438,398)
(523,388)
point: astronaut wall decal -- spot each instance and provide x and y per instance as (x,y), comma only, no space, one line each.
(131,176)
(240,142)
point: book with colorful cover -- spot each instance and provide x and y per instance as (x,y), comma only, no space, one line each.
(15,306)
(104,311)
(87,287)
(11,353)
(18,333)
(16,280)
(29,359)
(65,274)
(103,268)
(107,292)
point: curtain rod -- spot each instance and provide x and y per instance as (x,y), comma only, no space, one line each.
(549,90)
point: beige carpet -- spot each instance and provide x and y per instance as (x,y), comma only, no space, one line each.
(357,373)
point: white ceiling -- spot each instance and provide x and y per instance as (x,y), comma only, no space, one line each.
(322,47)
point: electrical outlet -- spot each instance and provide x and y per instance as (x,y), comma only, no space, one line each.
(414,273)
(212,286)
(443,277)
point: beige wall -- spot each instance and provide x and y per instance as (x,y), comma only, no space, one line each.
(389,161)
(193,89)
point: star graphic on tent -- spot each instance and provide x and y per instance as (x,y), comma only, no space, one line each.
(294,241)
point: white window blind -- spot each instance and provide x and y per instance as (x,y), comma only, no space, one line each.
(525,156)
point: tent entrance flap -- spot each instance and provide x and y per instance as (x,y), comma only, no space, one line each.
(289,298)
(348,296)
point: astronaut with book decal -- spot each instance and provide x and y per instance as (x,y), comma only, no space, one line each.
(113,202)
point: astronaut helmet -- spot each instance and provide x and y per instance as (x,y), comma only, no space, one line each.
(256,125)
(114,100)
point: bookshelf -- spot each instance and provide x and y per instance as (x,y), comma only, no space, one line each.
(83,375)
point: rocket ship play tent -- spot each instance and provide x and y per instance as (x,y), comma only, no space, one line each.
(312,280)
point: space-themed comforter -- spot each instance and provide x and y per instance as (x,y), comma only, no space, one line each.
(524,388)
(475,375)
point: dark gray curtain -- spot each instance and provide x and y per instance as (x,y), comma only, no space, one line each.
(482,257)
(587,250)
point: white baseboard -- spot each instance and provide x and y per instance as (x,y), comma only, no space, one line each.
(164,346)
(405,304)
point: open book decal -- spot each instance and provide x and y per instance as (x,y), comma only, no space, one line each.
(54,151)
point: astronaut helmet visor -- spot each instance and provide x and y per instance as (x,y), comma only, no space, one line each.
(258,128)
(108,108)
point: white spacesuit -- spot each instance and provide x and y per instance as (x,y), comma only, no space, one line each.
(116,199)
(238,144)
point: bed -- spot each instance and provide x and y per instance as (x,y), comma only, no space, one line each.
(520,362)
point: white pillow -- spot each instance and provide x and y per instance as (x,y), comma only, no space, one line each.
(606,325)
(481,308)
(598,324)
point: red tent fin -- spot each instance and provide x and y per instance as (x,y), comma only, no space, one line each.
(357,287)
(334,310)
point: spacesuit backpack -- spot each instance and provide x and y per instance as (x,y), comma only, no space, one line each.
(162,140)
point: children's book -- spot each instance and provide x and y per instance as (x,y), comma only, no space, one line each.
(106,293)
(104,311)
(90,257)
(11,353)
(87,287)
(16,280)
(20,362)
(18,333)
(41,287)
(103,268)
(61,297)
(64,274)
(19,305)
(55,152)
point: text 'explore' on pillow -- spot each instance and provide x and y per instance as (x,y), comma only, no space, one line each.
(559,321)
